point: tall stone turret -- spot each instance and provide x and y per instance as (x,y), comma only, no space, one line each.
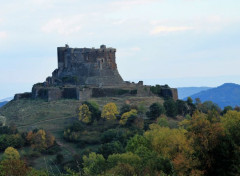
(87,66)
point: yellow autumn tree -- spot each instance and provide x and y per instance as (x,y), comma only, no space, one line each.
(84,114)
(11,153)
(109,111)
(127,115)
(174,145)
(40,140)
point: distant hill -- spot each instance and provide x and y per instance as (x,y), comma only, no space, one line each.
(227,94)
(184,92)
(5,101)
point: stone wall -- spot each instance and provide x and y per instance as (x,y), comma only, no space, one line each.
(23,96)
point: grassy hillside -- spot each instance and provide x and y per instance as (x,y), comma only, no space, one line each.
(55,116)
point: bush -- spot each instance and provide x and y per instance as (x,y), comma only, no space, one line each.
(59,158)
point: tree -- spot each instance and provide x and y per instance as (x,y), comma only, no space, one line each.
(11,154)
(128,117)
(125,108)
(126,158)
(94,164)
(84,114)
(136,142)
(205,134)
(109,111)
(94,109)
(189,100)
(155,110)
(209,106)
(122,169)
(13,167)
(226,109)
(162,121)
(110,148)
(169,144)
(171,108)
(182,108)
(40,140)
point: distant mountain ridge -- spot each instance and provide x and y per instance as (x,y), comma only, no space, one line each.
(227,94)
(5,101)
(184,92)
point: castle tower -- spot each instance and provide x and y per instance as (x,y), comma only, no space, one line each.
(87,66)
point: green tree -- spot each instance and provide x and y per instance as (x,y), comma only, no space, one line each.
(162,121)
(110,148)
(171,108)
(155,110)
(126,158)
(85,114)
(125,108)
(182,108)
(94,164)
(209,106)
(226,109)
(109,111)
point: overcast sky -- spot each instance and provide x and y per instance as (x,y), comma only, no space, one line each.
(176,42)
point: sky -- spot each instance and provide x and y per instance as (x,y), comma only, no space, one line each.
(176,42)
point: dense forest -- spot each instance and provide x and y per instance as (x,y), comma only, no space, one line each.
(174,138)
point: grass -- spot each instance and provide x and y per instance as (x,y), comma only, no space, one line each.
(55,116)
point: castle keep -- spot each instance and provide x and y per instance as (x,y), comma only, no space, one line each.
(83,73)
(84,66)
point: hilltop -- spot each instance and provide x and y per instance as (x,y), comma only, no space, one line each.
(184,92)
(224,95)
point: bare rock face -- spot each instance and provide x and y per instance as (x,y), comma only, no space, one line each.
(85,66)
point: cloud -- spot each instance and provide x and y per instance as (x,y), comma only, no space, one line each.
(3,34)
(126,4)
(167,29)
(64,26)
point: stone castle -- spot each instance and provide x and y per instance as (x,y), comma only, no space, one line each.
(83,73)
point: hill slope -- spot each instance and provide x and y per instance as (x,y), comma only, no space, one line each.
(184,92)
(227,94)
(55,115)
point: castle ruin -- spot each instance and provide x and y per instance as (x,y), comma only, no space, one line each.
(83,73)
